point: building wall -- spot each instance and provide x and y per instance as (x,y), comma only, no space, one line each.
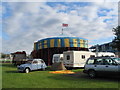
(47,54)
(107,47)
(61,42)
(46,48)
(117,54)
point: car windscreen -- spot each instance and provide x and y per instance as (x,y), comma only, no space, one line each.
(90,61)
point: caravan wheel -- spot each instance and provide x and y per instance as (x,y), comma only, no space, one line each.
(69,68)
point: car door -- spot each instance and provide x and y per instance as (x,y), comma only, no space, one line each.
(39,64)
(111,66)
(34,65)
(99,66)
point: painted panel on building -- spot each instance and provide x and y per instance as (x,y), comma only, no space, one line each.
(52,43)
(81,43)
(75,43)
(45,43)
(66,41)
(40,45)
(34,46)
(59,42)
(86,44)
(62,42)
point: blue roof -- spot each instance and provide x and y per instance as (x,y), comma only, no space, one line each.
(60,37)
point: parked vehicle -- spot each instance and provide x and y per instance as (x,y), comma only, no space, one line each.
(19,58)
(57,58)
(102,66)
(76,58)
(33,64)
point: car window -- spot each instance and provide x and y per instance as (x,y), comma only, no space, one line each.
(109,62)
(90,61)
(42,61)
(98,61)
(39,62)
(35,62)
(106,62)
(29,62)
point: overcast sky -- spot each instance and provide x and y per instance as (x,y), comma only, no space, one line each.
(26,22)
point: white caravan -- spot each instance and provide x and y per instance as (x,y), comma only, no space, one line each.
(57,58)
(76,58)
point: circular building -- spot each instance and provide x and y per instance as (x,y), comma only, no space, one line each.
(45,48)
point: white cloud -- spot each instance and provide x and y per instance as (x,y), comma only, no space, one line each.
(32,21)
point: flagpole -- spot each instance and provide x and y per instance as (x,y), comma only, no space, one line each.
(64,25)
(62,31)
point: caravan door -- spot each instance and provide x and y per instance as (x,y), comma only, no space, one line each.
(68,59)
(57,58)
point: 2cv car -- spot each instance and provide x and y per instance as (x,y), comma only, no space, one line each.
(32,64)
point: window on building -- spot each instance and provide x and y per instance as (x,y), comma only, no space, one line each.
(68,57)
(83,56)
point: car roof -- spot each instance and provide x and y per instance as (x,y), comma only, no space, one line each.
(37,59)
(34,59)
(102,57)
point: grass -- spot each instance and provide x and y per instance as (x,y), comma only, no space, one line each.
(6,60)
(43,79)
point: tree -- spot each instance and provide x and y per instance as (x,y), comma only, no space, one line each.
(3,55)
(116,40)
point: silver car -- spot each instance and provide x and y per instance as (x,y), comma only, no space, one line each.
(102,66)
(33,64)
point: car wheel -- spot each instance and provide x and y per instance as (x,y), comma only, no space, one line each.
(27,70)
(92,73)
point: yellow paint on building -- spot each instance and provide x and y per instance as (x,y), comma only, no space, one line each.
(40,45)
(52,43)
(66,41)
(81,43)
(45,43)
(75,42)
(34,46)
(59,42)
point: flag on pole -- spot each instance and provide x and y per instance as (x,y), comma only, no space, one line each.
(65,25)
